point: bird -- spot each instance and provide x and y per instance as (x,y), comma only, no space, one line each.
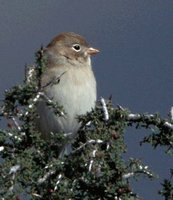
(68,60)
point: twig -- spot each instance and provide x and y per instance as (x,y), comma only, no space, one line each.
(14,169)
(138,117)
(54,81)
(105,110)
(45,177)
(171,113)
(29,74)
(92,161)
(16,123)
(58,181)
(87,143)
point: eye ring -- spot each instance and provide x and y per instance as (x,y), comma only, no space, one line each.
(76,47)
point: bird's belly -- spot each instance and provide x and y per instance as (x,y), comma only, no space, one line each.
(75,99)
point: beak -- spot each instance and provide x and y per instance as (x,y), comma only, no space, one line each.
(92,51)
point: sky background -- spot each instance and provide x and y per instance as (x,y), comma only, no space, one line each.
(135,64)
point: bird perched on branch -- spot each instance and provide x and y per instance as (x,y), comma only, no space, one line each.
(68,61)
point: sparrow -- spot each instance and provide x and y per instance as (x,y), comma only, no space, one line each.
(68,60)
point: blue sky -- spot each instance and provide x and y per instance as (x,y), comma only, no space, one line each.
(135,64)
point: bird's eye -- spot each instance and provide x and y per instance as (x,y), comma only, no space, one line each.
(76,47)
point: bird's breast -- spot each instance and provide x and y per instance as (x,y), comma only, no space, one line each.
(75,91)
